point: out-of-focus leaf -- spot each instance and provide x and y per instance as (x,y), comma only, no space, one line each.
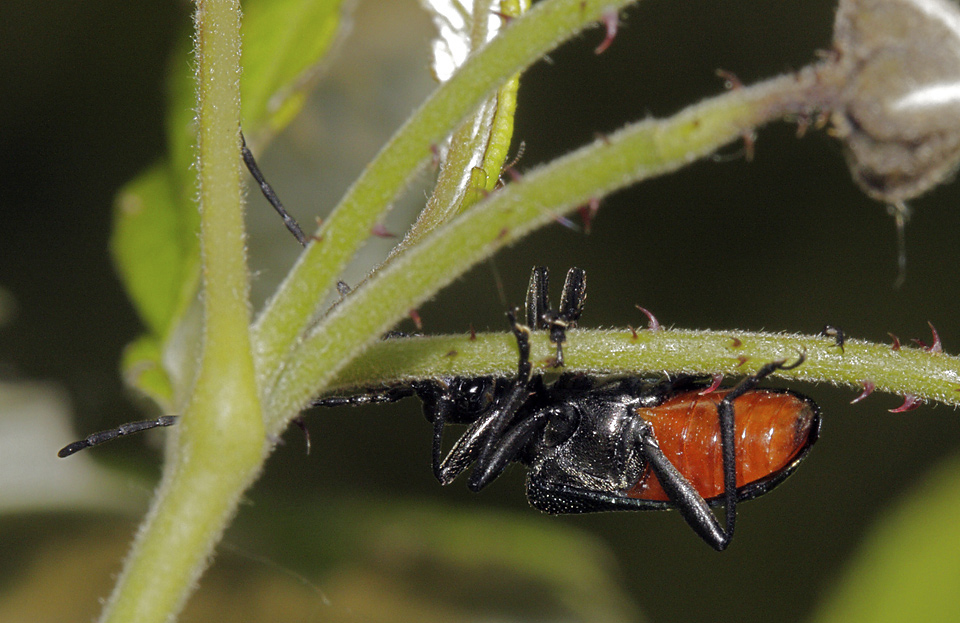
(155,243)
(571,571)
(154,246)
(909,567)
(387,560)
(155,250)
(283,41)
(284,45)
(141,369)
(335,559)
(59,580)
(8,307)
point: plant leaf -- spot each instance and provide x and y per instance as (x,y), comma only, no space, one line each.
(150,245)
(141,369)
(154,242)
(909,567)
(283,42)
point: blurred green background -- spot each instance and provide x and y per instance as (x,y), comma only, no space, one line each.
(359,529)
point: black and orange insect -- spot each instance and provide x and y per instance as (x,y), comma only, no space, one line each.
(614,443)
(594,443)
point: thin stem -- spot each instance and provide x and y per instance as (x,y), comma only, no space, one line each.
(221,442)
(476,151)
(930,376)
(639,151)
(524,41)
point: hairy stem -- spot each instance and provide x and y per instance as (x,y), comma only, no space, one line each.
(931,376)
(639,151)
(523,42)
(220,445)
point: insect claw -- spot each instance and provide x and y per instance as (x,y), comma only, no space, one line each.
(801,357)
(306,432)
(836,333)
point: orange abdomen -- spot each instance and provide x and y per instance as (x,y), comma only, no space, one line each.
(772,427)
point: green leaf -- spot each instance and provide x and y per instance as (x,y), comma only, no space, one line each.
(284,43)
(155,243)
(491,565)
(283,40)
(141,369)
(155,251)
(151,246)
(909,567)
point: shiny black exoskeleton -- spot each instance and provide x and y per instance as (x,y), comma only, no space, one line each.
(590,443)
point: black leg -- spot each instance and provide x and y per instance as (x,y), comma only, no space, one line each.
(540,315)
(438,411)
(438,424)
(268,192)
(486,431)
(683,495)
(571,306)
(728,434)
(505,413)
(508,449)
(538,297)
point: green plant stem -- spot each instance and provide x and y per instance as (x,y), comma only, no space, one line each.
(476,151)
(639,151)
(524,41)
(220,445)
(929,376)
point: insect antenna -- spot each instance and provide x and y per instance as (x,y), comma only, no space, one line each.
(123,430)
(269,193)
